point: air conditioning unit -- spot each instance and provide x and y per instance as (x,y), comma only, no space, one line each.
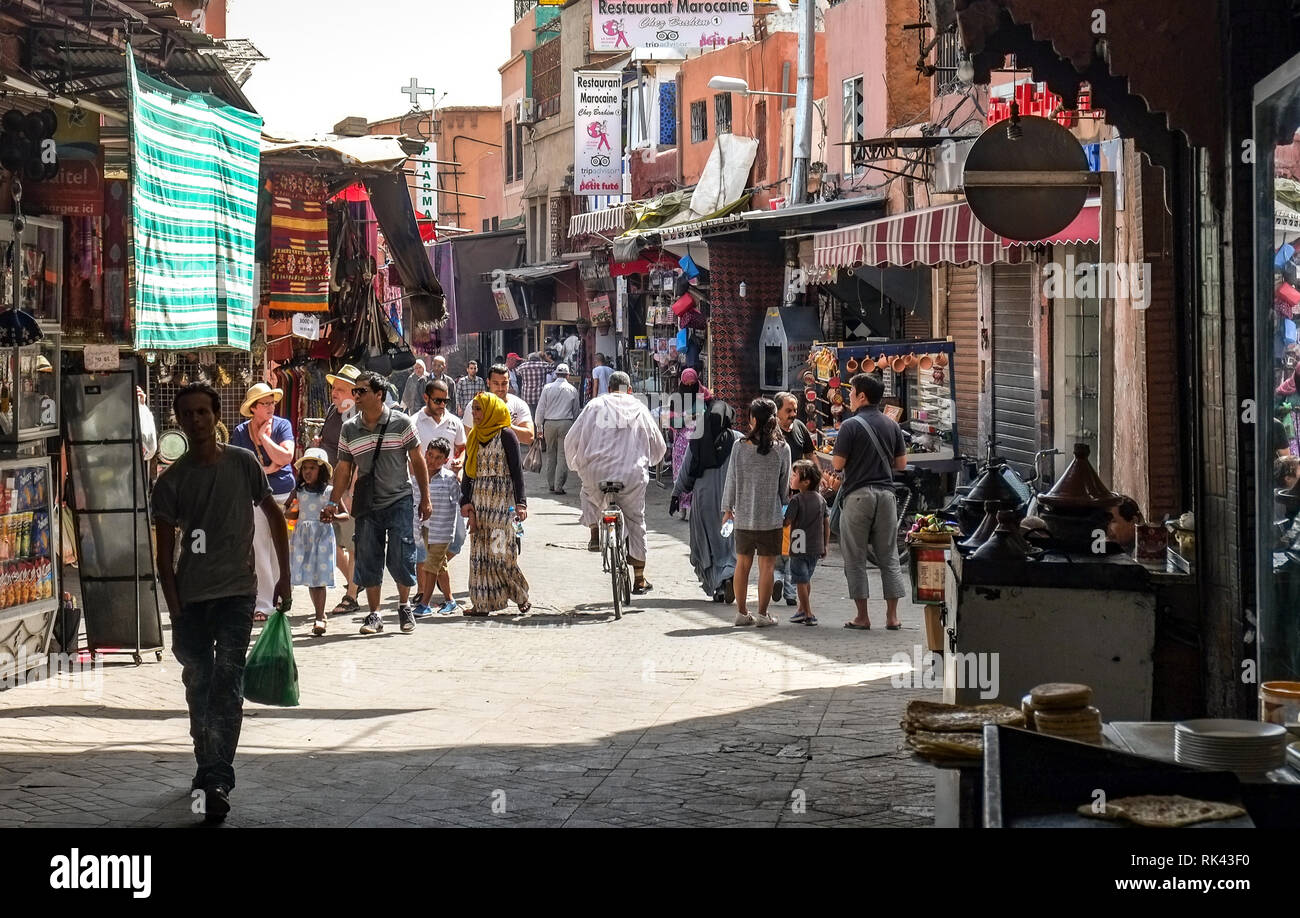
(526,111)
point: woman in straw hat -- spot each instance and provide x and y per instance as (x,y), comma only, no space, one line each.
(493,486)
(270,439)
(311,553)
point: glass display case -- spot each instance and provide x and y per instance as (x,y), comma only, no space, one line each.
(33,269)
(29,391)
(29,576)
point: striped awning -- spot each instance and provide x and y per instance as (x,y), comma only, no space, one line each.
(948,234)
(608,220)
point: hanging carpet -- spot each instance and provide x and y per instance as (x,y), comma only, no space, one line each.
(300,261)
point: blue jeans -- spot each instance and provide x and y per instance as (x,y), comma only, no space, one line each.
(782,586)
(386,536)
(210,639)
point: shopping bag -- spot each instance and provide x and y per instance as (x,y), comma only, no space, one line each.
(533,458)
(271,675)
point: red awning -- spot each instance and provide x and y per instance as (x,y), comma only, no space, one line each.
(948,234)
(1084,228)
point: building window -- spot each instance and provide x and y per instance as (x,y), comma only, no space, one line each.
(486,224)
(699,122)
(519,152)
(722,113)
(547,78)
(760,134)
(510,152)
(854,122)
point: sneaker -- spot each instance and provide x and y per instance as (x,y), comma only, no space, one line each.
(450,607)
(373,624)
(792,600)
(417,600)
(743,619)
(763,620)
(421,610)
(216,803)
(406,617)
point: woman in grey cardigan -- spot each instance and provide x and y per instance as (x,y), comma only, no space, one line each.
(758,484)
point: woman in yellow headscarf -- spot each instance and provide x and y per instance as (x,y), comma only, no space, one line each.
(492,499)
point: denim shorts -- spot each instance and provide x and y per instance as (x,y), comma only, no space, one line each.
(390,525)
(802,567)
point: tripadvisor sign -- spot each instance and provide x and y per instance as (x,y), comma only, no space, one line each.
(619,24)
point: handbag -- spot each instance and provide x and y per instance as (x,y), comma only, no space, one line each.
(363,491)
(533,458)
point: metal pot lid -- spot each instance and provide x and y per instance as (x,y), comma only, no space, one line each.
(1005,543)
(1080,488)
(172,444)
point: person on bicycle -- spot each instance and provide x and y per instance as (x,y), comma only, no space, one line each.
(616,439)
(868,449)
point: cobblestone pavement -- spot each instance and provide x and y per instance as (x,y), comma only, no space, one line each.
(670,717)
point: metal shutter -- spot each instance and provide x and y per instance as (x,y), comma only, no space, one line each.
(963,327)
(1015,389)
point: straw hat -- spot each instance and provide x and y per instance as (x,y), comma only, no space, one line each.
(256,394)
(319,455)
(43,365)
(348,374)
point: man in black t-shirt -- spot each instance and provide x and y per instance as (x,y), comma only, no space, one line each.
(801,447)
(868,449)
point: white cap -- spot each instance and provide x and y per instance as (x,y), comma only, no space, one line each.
(562,370)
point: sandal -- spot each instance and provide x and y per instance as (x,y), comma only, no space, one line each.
(347,606)
(525,608)
(319,627)
(473,613)
(641,587)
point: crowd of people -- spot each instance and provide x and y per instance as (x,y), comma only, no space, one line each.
(400,482)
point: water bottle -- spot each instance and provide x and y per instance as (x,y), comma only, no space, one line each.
(518,526)
(728,528)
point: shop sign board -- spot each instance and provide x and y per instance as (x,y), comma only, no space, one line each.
(626,24)
(77,190)
(597,133)
(306,325)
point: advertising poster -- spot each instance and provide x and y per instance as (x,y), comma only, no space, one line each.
(597,133)
(78,188)
(617,25)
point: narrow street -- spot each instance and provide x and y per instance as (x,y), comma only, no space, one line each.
(669,717)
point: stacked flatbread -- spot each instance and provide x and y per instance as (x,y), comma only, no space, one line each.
(953,733)
(1063,709)
(1169,811)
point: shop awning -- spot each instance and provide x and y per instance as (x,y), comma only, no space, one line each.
(461,263)
(1084,228)
(534,273)
(606,221)
(948,233)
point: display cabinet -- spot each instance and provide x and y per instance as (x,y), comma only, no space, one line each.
(29,391)
(33,269)
(29,573)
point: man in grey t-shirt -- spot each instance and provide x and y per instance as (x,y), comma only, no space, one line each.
(209,495)
(868,449)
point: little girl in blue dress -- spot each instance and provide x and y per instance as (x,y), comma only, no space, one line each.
(311,555)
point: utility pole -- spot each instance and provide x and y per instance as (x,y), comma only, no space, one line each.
(803,104)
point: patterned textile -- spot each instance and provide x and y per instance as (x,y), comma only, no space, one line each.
(300,250)
(311,556)
(466,388)
(194,170)
(668,113)
(681,440)
(532,377)
(494,575)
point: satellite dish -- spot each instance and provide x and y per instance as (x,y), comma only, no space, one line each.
(1026,212)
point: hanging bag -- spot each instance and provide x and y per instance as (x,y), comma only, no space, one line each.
(271,673)
(363,491)
(837,507)
(533,458)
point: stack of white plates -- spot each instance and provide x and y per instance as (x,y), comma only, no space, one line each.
(1244,746)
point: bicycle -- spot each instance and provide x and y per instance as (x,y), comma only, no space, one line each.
(613,547)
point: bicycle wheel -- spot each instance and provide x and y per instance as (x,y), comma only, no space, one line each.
(616,567)
(627,577)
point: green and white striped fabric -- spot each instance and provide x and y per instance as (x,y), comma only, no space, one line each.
(194,171)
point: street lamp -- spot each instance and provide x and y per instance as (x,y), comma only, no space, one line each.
(741,88)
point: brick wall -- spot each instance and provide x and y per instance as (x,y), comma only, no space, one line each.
(735,322)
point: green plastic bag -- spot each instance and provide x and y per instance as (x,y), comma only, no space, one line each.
(271,675)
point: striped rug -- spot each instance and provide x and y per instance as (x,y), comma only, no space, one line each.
(194,169)
(300,245)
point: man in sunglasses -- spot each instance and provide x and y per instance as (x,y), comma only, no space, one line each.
(378,443)
(436,419)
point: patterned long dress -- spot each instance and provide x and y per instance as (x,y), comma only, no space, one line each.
(494,575)
(681,440)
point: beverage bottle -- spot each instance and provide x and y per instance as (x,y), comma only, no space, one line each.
(515,524)
(728,528)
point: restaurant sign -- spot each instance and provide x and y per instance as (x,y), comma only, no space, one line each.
(597,132)
(625,24)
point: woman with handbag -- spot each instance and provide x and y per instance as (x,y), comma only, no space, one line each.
(270,439)
(492,501)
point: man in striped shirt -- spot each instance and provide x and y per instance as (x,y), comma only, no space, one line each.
(378,443)
(468,386)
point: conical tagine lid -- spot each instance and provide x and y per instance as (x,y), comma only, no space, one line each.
(1080,488)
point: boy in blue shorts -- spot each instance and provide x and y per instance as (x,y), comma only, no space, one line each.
(809,524)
